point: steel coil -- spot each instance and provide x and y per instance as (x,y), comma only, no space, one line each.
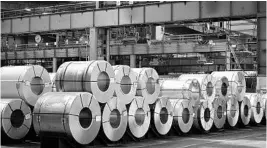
(244,111)
(219,106)
(203,116)
(221,86)
(182,114)
(53,78)
(256,107)
(96,77)
(25,82)
(125,83)
(75,115)
(264,98)
(237,82)
(232,111)
(175,89)
(16,119)
(139,117)
(207,84)
(147,84)
(162,115)
(114,119)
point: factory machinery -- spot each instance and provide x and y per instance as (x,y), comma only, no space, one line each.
(91,102)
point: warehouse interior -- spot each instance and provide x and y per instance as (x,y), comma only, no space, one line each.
(172,37)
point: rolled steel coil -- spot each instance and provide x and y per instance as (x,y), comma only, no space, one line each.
(75,115)
(264,98)
(25,82)
(207,84)
(237,82)
(139,117)
(53,78)
(162,115)
(16,119)
(114,119)
(125,83)
(219,106)
(203,116)
(96,77)
(182,114)
(147,84)
(256,107)
(232,113)
(221,86)
(244,111)
(175,89)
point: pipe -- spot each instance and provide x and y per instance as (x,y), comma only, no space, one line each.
(75,115)
(182,115)
(147,84)
(25,82)
(125,83)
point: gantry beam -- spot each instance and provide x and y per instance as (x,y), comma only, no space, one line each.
(159,13)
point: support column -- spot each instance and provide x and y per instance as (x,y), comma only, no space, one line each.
(261,51)
(54,64)
(228,60)
(93,44)
(54,58)
(133,61)
(108,47)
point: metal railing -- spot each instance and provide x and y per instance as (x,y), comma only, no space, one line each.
(67,8)
(41,46)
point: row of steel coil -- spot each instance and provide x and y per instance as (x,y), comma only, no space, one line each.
(87,101)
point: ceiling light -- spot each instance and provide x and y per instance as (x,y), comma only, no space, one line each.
(27,9)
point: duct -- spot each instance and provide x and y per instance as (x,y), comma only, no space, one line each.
(162,115)
(207,84)
(256,107)
(52,78)
(219,106)
(147,84)
(203,116)
(16,119)
(232,111)
(96,77)
(237,82)
(114,119)
(75,115)
(25,82)
(244,111)
(175,89)
(182,115)
(221,86)
(139,117)
(125,83)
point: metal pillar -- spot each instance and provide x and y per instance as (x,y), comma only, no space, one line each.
(133,61)
(54,64)
(228,60)
(93,44)
(261,51)
(107,43)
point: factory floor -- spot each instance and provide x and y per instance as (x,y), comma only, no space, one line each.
(249,137)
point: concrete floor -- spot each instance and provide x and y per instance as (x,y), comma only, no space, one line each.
(249,137)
